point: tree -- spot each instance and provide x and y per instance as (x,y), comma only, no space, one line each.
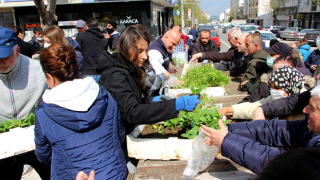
(275,7)
(47,13)
(197,13)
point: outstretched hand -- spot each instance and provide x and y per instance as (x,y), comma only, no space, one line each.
(215,137)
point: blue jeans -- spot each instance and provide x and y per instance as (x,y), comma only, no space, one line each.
(95,77)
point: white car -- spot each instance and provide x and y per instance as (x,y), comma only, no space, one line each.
(248,28)
(266,37)
(268,28)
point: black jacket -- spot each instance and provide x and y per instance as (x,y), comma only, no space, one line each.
(287,106)
(26,48)
(120,78)
(92,43)
(198,47)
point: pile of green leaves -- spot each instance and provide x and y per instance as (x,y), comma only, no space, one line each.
(178,61)
(14,123)
(192,121)
(205,75)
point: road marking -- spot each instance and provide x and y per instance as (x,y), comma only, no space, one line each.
(226,44)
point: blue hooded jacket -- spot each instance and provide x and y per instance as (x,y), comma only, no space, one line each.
(305,51)
(254,144)
(314,58)
(77,48)
(73,141)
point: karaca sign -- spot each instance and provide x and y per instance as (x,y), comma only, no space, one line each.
(129,20)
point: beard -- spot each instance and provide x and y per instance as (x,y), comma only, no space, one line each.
(4,68)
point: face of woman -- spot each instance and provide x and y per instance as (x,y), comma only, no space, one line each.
(142,46)
(275,87)
(46,41)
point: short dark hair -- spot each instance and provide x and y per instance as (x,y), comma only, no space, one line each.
(255,39)
(206,31)
(302,163)
(92,22)
(290,60)
(37,29)
(17,30)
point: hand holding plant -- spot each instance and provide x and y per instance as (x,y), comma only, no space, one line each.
(215,137)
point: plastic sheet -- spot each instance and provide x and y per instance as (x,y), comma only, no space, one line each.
(180,58)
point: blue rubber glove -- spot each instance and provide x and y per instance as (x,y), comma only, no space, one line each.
(187,102)
(157,98)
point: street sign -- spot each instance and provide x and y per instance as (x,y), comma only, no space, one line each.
(176,12)
(189,17)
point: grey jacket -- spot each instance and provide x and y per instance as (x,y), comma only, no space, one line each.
(21,89)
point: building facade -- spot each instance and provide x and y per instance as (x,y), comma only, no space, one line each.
(155,14)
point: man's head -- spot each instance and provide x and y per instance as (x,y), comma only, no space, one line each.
(81,26)
(242,44)
(92,22)
(233,36)
(204,36)
(171,39)
(177,28)
(313,111)
(111,26)
(9,50)
(37,31)
(18,31)
(279,49)
(253,43)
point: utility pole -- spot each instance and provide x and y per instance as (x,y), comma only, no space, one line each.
(298,13)
(182,15)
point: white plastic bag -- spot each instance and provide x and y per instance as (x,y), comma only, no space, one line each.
(200,158)
(180,58)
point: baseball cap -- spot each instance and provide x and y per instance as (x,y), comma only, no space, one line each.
(8,39)
(279,48)
(80,24)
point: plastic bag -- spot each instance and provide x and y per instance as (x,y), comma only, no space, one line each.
(172,82)
(201,156)
(318,42)
(165,90)
(180,58)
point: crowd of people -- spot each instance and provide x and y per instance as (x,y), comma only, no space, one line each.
(86,99)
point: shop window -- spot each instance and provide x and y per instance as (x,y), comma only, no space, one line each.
(6,19)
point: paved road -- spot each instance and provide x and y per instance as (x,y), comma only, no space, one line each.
(225,45)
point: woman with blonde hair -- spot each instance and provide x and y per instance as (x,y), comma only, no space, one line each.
(55,35)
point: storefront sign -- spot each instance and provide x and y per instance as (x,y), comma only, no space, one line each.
(32,25)
(129,20)
(301,15)
(189,17)
(67,23)
(288,18)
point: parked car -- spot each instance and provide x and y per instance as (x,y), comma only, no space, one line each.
(206,27)
(216,27)
(226,29)
(312,36)
(260,28)
(268,28)
(276,32)
(266,37)
(290,33)
(214,36)
(248,28)
(302,33)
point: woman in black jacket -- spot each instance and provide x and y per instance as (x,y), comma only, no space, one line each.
(123,76)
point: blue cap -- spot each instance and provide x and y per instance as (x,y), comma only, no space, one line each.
(8,39)
(80,24)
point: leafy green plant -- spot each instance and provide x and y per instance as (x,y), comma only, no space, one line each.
(160,130)
(196,91)
(205,75)
(14,123)
(154,127)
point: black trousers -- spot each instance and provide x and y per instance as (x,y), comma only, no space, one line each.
(11,168)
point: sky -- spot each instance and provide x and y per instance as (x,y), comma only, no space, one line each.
(215,7)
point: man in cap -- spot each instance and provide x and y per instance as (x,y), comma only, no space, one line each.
(112,32)
(81,28)
(92,43)
(22,83)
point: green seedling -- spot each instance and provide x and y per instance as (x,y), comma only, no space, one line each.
(196,91)
(160,130)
